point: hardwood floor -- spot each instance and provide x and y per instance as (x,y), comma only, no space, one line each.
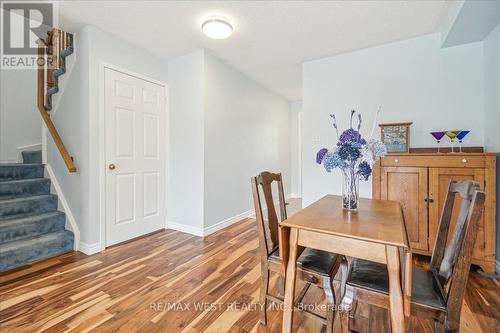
(127,288)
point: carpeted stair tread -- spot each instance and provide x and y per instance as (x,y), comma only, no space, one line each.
(32,156)
(26,205)
(17,253)
(26,226)
(9,189)
(12,171)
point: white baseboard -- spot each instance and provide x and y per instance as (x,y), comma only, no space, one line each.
(497,267)
(202,232)
(227,222)
(70,218)
(90,249)
(185,228)
(294,196)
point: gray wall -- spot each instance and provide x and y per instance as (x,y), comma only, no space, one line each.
(247,131)
(77,119)
(20,122)
(186,112)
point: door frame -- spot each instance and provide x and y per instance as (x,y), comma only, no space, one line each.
(102,144)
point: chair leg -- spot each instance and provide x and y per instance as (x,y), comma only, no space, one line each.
(264,289)
(344,269)
(330,302)
(282,286)
(438,327)
(347,307)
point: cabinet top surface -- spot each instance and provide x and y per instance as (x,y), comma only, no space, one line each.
(379,221)
(442,154)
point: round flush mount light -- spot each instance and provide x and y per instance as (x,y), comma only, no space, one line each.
(217,28)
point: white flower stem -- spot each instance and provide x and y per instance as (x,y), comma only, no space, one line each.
(375,121)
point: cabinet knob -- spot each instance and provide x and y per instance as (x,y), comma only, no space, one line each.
(464,160)
(429,200)
(396,161)
(111,166)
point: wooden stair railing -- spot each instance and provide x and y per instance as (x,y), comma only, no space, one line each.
(51,64)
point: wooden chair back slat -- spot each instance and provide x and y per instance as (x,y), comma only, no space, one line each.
(466,191)
(447,260)
(268,228)
(444,226)
(460,272)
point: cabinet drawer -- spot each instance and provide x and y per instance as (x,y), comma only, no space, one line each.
(437,161)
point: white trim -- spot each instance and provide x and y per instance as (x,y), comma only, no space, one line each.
(185,228)
(102,144)
(20,149)
(44,143)
(299,148)
(203,232)
(64,206)
(497,267)
(294,196)
(90,249)
(227,222)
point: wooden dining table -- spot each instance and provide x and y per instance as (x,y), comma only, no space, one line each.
(375,232)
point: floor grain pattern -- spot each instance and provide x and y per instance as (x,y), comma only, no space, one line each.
(127,288)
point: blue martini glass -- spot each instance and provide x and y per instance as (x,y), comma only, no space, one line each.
(460,136)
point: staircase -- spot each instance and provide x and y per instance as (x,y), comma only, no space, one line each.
(31,227)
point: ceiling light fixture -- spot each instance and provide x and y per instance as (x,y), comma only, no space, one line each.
(217,28)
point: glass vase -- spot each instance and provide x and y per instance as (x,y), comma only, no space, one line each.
(350,190)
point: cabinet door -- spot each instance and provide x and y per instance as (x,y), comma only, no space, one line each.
(439,179)
(409,187)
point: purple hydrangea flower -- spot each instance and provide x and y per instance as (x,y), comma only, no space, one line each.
(350,136)
(320,155)
(364,170)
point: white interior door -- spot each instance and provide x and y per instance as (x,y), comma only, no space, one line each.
(135,156)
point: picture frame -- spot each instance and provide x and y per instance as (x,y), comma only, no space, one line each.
(396,137)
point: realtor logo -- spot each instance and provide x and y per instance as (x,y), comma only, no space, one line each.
(23,23)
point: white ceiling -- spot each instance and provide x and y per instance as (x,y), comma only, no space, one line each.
(271,38)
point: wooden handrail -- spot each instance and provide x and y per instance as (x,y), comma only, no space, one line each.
(42,52)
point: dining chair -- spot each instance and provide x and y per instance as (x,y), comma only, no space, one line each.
(315,267)
(437,292)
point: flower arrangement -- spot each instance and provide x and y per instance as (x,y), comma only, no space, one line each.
(354,156)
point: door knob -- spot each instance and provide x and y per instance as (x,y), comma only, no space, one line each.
(111,166)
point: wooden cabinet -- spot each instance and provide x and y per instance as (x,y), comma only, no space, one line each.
(409,187)
(420,181)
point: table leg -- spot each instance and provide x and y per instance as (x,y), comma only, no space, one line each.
(284,242)
(395,291)
(408,283)
(291,273)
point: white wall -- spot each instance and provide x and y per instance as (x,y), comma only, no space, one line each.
(186,112)
(492,110)
(492,90)
(413,80)
(295,139)
(78,116)
(246,132)
(20,121)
